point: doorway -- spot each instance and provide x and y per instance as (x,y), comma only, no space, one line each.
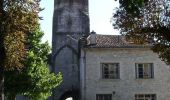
(69,98)
(70,95)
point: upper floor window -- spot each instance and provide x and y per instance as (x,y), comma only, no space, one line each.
(144,70)
(103,96)
(110,70)
(145,96)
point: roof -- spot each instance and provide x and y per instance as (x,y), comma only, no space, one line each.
(111,41)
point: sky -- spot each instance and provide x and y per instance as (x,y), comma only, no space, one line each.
(100,12)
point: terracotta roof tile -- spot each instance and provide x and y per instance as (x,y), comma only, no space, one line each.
(110,41)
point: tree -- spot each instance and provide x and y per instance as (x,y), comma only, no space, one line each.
(19,22)
(35,80)
(146,21)
(17,18)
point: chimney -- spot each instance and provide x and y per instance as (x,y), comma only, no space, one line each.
(92,38)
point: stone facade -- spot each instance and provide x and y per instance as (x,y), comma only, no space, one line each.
(81,67)
(70,22)
(127,85)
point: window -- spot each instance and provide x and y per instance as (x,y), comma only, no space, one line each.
(145,97)
(110,70)
(144,70)
(103,96)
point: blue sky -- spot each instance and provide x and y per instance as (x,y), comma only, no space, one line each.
(100,12)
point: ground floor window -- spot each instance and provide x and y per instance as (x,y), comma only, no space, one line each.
(145,96)
(103,96)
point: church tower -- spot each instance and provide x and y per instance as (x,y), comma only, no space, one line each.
(70,22)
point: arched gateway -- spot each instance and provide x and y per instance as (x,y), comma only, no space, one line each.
(70,22)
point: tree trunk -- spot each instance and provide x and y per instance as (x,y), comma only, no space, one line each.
(2,97)
(2,53)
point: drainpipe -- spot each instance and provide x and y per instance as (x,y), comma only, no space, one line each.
(82,73)
(82,65)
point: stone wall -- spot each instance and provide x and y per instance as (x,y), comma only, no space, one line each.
(127,86)
(70,22)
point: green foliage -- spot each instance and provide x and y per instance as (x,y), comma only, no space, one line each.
(38,69)
(131,6)
(146,22)
(22,54)
(17,18)
(35,80)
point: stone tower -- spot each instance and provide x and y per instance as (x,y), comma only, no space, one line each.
(70,22)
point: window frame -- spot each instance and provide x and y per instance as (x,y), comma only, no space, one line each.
(145,96)
(112,74)
(147,72)
(103,96)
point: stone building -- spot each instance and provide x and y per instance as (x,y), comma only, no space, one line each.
(105,67)
(70,22)
(114,69)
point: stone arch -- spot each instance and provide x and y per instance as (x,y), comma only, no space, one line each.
(61,48)
(71,93)
(75,52)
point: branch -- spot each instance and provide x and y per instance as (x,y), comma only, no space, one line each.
(158,31)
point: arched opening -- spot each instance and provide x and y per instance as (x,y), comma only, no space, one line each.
(69,98)
(70,95)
